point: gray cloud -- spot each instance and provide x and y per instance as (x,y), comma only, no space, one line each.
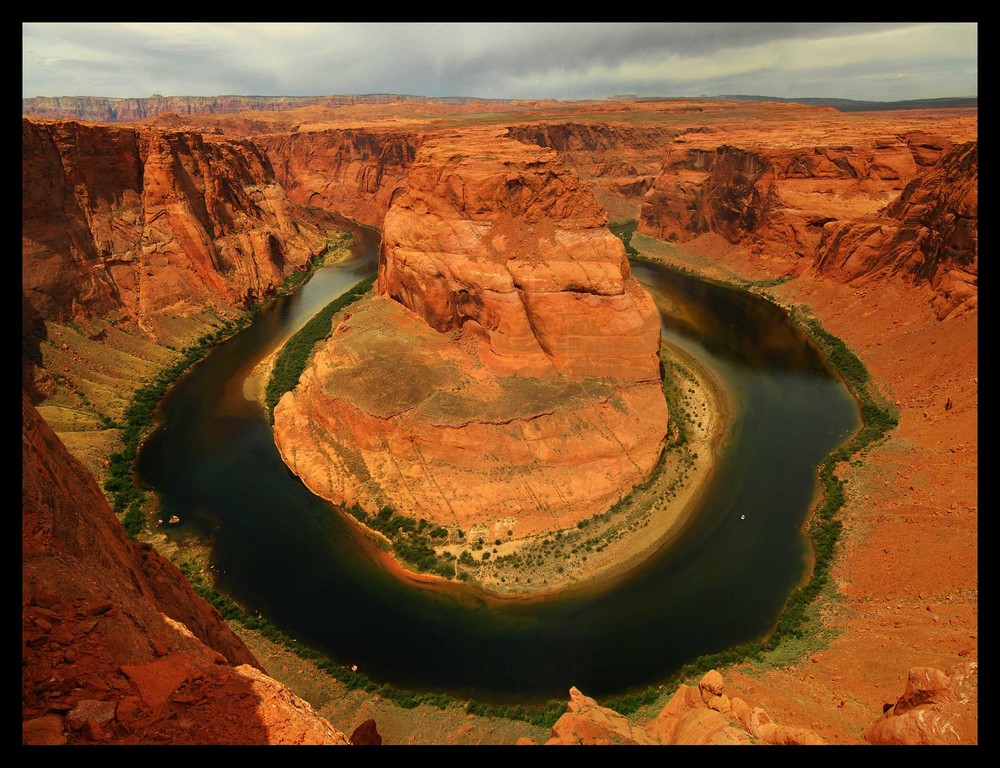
(565,61)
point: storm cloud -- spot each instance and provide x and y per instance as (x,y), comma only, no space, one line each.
(876,61)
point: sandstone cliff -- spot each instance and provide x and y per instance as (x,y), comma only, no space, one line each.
(883,204)
(116,647)
(350,171)
(618,160)
(772,196)
(929,233)
(144,224)
(531,397)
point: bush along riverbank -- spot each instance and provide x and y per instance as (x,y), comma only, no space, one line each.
(126,497)
(291,360)
(799,617)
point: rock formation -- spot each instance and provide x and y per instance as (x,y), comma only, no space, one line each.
(935,708)
(350,171)
(694,715)
(532,390)
(930,233)
(618,160)
(905,203)
(778,197)
(116,647)
(146,224)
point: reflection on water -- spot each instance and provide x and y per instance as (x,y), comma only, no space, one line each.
(282,551)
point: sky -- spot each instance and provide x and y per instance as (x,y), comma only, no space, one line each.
(868,61)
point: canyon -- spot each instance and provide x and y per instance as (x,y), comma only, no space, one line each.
(138,237)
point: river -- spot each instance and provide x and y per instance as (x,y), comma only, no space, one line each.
(281,551)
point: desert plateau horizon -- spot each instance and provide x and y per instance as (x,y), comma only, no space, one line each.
(588,416)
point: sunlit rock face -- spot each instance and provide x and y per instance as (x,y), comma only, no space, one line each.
(116,646)
(146,224)
(929,234)
(532,396)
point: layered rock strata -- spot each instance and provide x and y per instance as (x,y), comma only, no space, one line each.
(930,233)
(775,196)
(142,224)
(531,396)
(905,204)
(351,171)
(116,647)
(619,161)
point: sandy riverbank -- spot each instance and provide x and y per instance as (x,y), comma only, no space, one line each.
(607,549)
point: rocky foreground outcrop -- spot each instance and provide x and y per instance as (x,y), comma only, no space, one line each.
(144,224)
(930,233)
(115,645)
(935,708)
(702,714)
(531,396)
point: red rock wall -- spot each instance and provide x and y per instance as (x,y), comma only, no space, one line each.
(905,203)
(353,172)
(150,222)
(501,234)
(929,233)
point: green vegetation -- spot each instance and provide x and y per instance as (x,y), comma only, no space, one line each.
(626,238)
(409,539)
(291,361)
(340,242)
(544,716)
(126,496)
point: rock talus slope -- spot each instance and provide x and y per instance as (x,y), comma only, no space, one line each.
(116,647)
(532,396)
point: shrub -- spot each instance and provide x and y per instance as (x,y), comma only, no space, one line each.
(291,361)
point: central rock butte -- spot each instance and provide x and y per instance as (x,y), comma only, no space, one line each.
(531,397)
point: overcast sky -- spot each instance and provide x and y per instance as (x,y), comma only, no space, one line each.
(873,61)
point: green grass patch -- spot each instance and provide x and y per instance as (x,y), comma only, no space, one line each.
(410,540)
(291,361)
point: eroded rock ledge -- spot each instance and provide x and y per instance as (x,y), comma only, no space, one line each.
(532,396)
